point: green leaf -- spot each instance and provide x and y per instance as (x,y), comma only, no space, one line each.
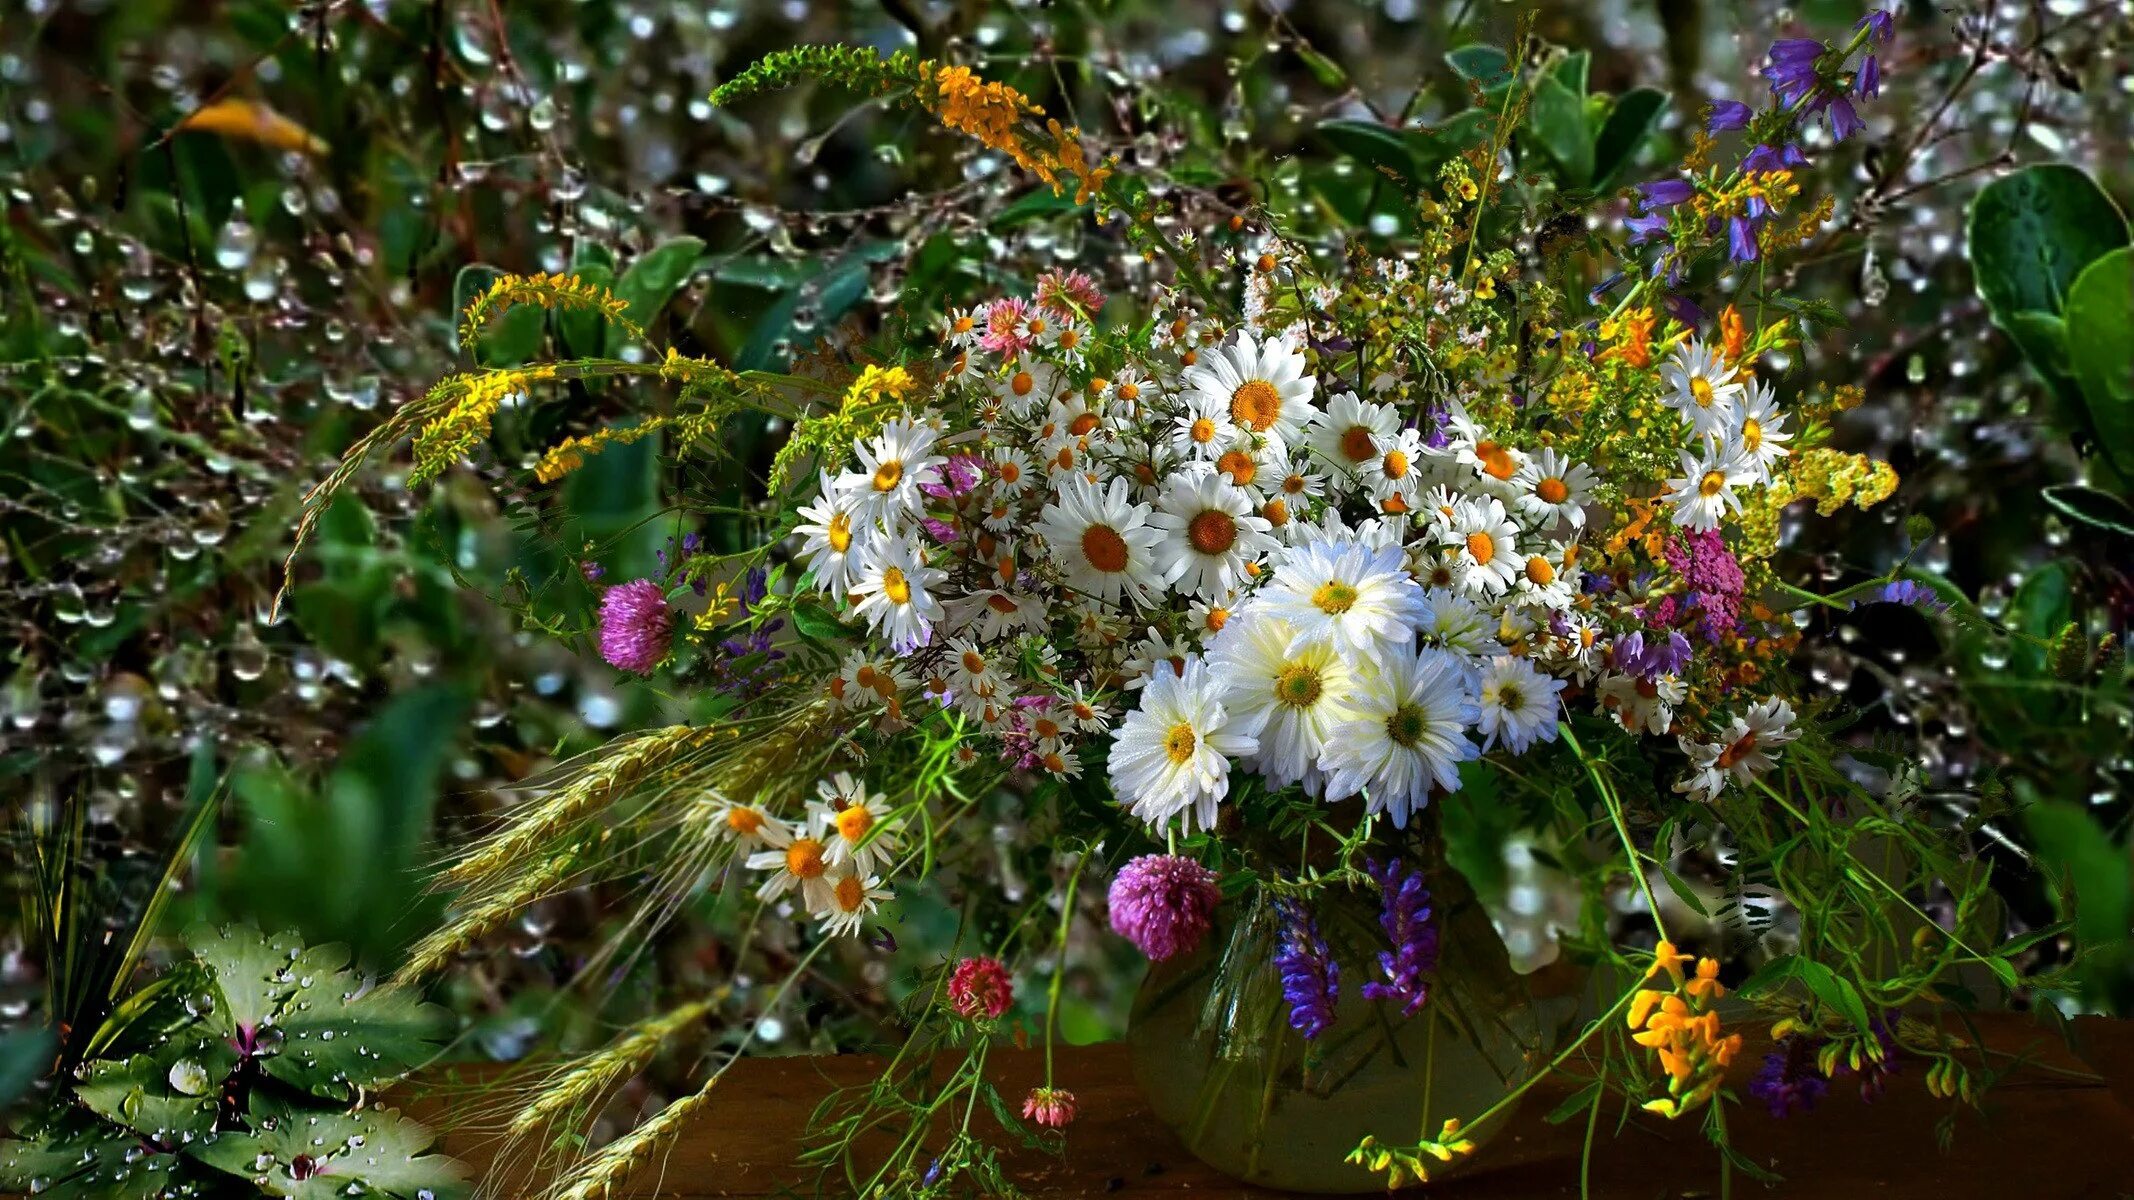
(1575,1103)
(81,1158)
(377,1149)
(2100,347)
(504,341)
(1558,119)
(1375,145)
(251,972)
(2032,232)
(2090,506)
(25,1057)
(1826,985)
(1571,71)
(2099,875)
(1681,889)
(652,280)
(582,331)
(815,621)
(1484,66)
(1629,123)
(165,1094)
(331,1045)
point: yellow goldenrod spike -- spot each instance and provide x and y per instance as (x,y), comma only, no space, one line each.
(251,121)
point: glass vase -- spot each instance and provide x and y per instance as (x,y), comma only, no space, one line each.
(1214,1051)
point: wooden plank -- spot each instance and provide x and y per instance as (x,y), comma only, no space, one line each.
(2047,1134)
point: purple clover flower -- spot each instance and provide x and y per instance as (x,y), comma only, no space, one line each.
(1406,917)
(635,626)
(1311,982)
(1789,1081)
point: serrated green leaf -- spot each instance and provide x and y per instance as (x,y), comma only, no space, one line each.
(251,972)
(330,1044)
(81,1158)
(163,1095)
(376,1149)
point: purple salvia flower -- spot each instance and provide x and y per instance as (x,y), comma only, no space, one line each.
(1741,239)
(1726,115)
(1789,1081)
(754,587)
(635,626)
(1869,81)
(1163,904)
(1844,122)
(1406,917)
(1311,982)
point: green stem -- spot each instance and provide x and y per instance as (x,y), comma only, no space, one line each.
(1622,828)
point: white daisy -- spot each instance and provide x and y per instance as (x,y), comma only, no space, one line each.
(1156,654)
(1758,439)
(1084,712)
(1485,545)
(1203,429)
(1746,752)
(1704,389)
(1517,704)
(1452,620)
(1129,390)
(1211,535)
(999,613)
(851,899)
(892,466)
(852,822)
(1010,468)
(833,536)
(1405,733)
(961,328)
(1263,387)
(1552,488)
(748,826)
(1704,493)
(1172,755)
(1641,705)
(865,680)
(893,591)
(1544,580)
(1395,477)
(1349,434)
(1103,544)
(804,863)
(1343,593)
(1289,700)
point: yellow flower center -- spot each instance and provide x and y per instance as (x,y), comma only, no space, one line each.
(1255,404)
(1010,471)
(1406,725)
(744,821)
(1276,513)
(1104,548)
(1700,390)
(1082,424)
(1357,444)
(804,858)
(1396,464)
(895,587)
(839,534)
(1496,461)
(854,822)
(1335,597)
(1752,433)
(1212,532)
(1712,484)
(1202,431)
(1021,383)
(887,475)
(1540,571)
(851,893)
(1481,547)
(1298,685)
(1553,490)
(1238,465)
(1179,743)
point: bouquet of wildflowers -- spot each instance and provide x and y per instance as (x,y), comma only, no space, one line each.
(1235,572)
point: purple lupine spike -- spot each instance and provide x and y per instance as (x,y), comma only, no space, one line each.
(1789,1081)
(1407,918)
(1311,982)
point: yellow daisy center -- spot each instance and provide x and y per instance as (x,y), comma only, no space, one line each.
(895,587)
(804,858)
(1298,685)
(839,534)
(1255,404)
(1180,743)
(1335,597)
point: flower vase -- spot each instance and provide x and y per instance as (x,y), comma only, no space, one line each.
(1216,1055)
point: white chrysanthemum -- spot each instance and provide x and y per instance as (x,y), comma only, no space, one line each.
(1705,492)
(1758,439)
(1341,592)
(1485,545)
(1288,700)
(851,898)
(1517,704)
(892,466)
(1263,387)
(1172,755)
(1641,705)
(1103,543)
(893,592)
(1455,622)
(1210,534)
(1406,732)
(1704,391)
(1130,391)
(998,613)
(1551,488)
(1351,433)
(852,822)
(833,536)
(1202,430)
(1084,712)
(1209,617)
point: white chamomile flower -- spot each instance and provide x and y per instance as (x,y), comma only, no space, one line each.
(1211,535)
(1209,617)
(1347,437)
(852,898)
(803,863)
(1128,391)
(1641,705)
(1171,757)
(973,670)
(1027,386)
(1485,545)
(1203,429)
(865,680)
(1455,622)
(1705,492)
(748,826)
(1102,542)
(833,535)
(1546,579)
(998,613)
(1084,712)
(852,822)
(1290,701)
(1405,734)
(1156,655)
(961,328)
(1263,387)
(1704,391)
(1395,477)
(1551,487)
(1344,593)
(1745,753)
(893,592)
(1517,704)
(1758,440)
(1068,342)
(1010,469)
(892,466)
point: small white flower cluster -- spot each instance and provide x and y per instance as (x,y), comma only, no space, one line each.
(834,857)
(1738,423)
(1078,518)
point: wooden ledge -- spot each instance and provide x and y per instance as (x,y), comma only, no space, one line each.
(2042,1136)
